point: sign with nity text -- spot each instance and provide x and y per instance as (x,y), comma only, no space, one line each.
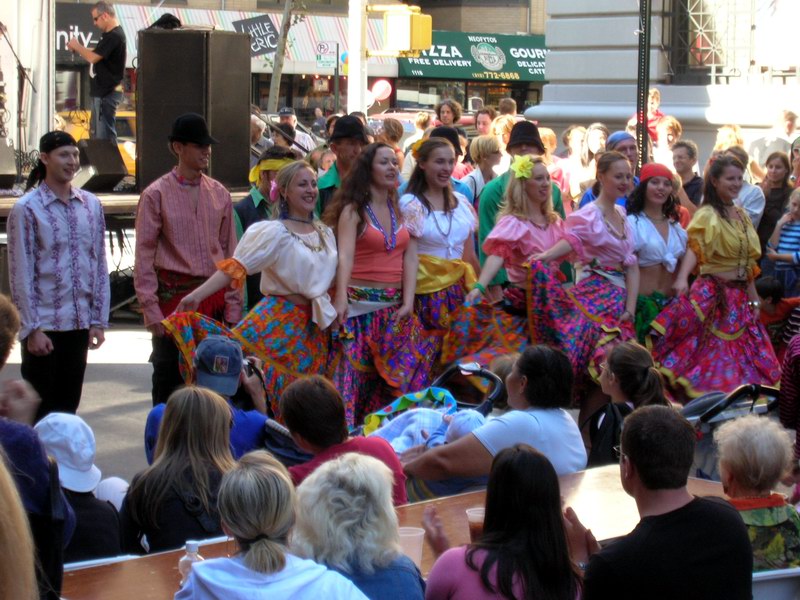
(262,32)
(479,56)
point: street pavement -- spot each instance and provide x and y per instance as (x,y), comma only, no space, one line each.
(116,397)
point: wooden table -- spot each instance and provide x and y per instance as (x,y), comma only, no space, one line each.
(595,494)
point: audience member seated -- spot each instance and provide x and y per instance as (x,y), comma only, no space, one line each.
(775,311)
(314,413)
(523,551)
(257,506)
(70,441)
(220,367)
(630,378)
(17,559)
(346,521)
(539,389)
(51,524)
(175,499)
(683,547)
(754,454)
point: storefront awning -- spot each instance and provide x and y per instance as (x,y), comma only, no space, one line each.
(75,19)
(479,57)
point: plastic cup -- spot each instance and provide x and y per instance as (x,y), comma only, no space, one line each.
(475,518)
(411,541)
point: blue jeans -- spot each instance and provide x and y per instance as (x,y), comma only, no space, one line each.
(104,113)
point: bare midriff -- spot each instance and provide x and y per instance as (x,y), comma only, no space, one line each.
(655,278)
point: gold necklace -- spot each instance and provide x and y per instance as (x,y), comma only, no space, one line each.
(311,247)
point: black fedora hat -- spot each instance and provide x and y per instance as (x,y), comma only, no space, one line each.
(350,127)
(450,134)
(191,128)
(525,132)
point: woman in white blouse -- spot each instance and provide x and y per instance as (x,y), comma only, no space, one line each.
(660,242)
(296,255)
(444,223)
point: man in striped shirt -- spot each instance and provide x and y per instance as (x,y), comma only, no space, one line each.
(58,275)
(184,227)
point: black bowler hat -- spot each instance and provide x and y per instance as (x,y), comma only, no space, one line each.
(349,127)
(191,128)
(450,134)
(525,132)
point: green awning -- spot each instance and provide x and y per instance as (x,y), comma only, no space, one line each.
(479,56)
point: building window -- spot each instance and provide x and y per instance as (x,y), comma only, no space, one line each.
(717,41)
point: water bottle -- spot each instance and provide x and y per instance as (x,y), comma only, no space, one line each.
(188,559)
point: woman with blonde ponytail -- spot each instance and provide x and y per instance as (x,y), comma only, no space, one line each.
(257,506)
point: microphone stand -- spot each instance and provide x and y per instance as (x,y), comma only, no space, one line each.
(22,77)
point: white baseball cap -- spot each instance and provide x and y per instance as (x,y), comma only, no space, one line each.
(69,440)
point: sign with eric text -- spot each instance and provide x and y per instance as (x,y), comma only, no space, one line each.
(262,32)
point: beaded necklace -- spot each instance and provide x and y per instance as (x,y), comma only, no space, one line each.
(611,229)
(390,243)
(448,216)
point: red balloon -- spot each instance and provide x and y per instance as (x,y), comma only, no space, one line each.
(381,89)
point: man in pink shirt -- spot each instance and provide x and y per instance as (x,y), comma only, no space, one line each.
(184,227)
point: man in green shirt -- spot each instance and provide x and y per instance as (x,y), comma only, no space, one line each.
(347,140)
(524,139)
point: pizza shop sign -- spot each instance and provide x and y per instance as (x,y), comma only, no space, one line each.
(456,55)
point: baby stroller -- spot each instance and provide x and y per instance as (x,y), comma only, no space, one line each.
(709,411)
(279,442)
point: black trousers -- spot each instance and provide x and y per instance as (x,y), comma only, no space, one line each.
(166,373)
(58,377)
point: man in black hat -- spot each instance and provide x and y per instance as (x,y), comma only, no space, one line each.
(184,227)
(451,135)
(59,278)
(306,142)
(347,141)
(108,65)
(524,139)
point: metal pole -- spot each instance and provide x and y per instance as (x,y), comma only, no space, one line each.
(336,83)
(643,81)
(357,56)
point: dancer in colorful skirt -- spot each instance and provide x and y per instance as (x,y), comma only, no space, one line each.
(599,309)
(712,338)
(527,225)
(380,350)
(444,223)
(659,242)
(297,258)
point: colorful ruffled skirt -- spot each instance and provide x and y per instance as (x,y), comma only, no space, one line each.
(277,331)
(711,341)
(647,309)
(375,358)
(483,332)
(582,321)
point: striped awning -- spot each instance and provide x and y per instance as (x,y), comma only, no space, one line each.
(301,45)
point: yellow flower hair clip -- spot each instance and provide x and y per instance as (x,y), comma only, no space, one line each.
(522,166)
(415,148)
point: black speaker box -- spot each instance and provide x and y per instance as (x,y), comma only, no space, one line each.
(206,72)
(102,167)
(8,166)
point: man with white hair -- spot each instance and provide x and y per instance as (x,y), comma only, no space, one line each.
(258,143)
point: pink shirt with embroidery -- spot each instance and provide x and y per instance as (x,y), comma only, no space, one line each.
(187,229)
(590,238)
(515,240)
